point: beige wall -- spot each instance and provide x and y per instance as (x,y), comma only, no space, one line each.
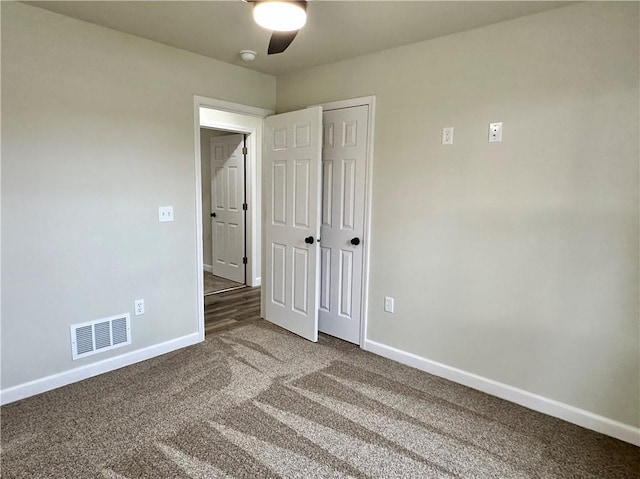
(515,261)
(97,132)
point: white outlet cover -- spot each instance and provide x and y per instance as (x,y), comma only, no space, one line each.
(139,307)
(447,135)
(165,214)
(495,132)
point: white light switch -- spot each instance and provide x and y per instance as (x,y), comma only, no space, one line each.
(165,213)
(495,132)
(447,135)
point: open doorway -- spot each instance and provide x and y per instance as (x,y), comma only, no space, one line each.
(227,119)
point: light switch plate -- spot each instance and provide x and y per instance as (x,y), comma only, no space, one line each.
(165,213)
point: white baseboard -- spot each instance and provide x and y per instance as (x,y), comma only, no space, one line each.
(524,398)
(54,381)
(257,282)
(208,268)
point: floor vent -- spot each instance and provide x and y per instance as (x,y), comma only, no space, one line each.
(100,335)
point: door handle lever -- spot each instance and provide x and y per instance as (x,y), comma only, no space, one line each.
(309,240)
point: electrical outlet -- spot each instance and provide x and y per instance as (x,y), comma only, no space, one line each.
(447,135)
(388,304)
(139,307)
(165,213)
(495,132)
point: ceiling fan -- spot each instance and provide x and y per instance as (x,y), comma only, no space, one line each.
(284,17)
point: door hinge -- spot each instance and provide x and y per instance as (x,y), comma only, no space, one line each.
(245,151)
(244,260)
(245,206)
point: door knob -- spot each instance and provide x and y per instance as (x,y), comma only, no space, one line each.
(355,241)
(309,240)
(213,215)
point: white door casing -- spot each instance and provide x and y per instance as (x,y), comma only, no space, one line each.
(227,198)
(344,159)
(291,174)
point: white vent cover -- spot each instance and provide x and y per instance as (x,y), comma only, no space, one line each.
(100,335)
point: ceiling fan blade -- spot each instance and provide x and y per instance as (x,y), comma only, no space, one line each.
(280,41)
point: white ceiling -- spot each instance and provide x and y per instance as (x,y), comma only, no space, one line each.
(335,30)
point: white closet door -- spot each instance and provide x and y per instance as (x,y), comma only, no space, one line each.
(344,157)
(292,195)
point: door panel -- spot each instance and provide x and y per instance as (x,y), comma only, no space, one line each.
(343,167)
(327,192)
(227,197)
(302,188)
(279,277)
(291,168)
(219,239)
(348,194)
(235,242)
(235,196)
(325,278)
(279,195)
(301,287)
(220,193)
(346,283)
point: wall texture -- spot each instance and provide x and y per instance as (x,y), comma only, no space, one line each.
(97,132)
(516,261)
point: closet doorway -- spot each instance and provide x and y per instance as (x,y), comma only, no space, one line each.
(317,165)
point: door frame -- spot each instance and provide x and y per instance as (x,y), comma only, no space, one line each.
(369,101)
(235,118)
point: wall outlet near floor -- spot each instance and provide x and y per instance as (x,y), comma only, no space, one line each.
(388,304)
(139,307)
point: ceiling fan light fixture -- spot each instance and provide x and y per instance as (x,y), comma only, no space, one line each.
(280,16)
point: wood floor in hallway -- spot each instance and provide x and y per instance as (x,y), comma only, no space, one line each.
(224,311)
(215,284)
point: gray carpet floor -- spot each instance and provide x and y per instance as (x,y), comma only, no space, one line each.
(258,402)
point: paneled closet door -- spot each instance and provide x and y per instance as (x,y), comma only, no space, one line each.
(291,172)
(344,156)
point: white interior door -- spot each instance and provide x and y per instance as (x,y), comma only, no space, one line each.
(227,198)
(344,156)
(291,174)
